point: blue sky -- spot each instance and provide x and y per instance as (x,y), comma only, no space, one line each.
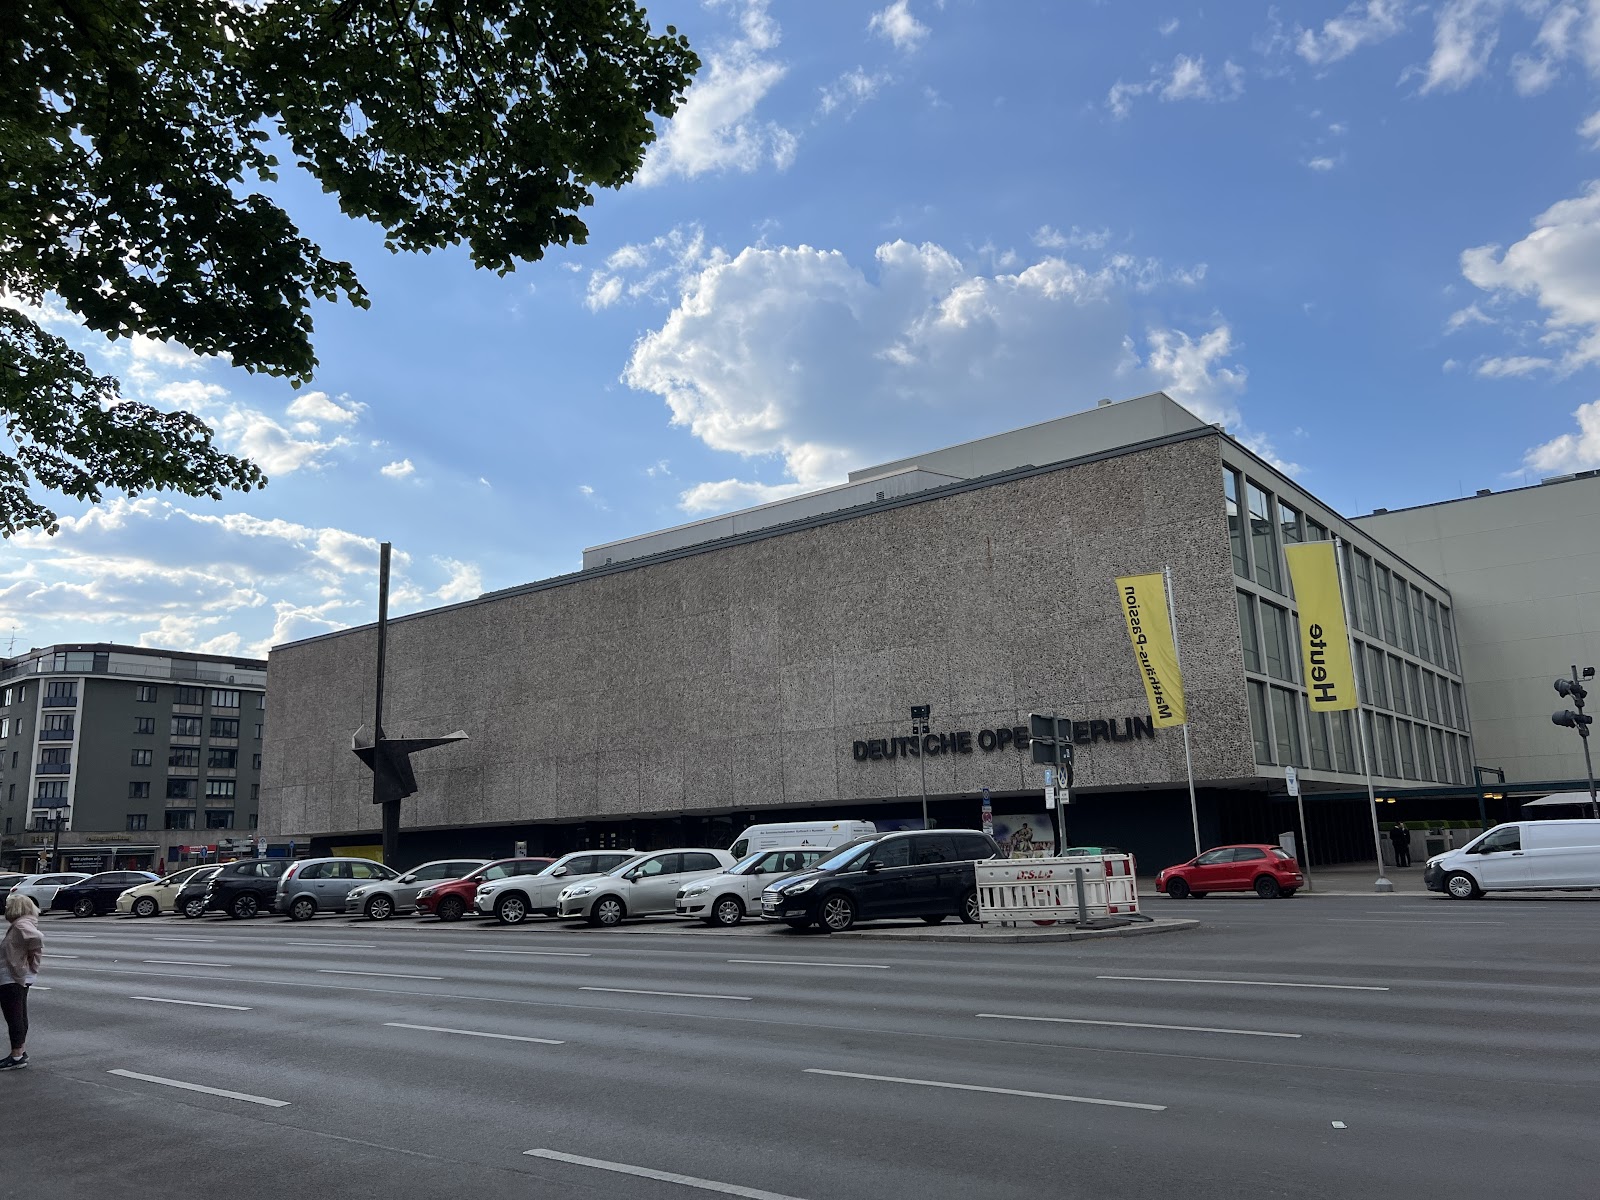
(1363,235)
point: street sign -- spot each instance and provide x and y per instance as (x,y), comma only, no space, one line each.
(519,850)
(988,814)
(1049,797)
(1291,778)
(1049,777)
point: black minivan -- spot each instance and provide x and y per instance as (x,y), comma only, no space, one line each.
(923,873)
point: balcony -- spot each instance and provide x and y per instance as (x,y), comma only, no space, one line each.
(53,768)
(183,772)
(56,735)
(60,701)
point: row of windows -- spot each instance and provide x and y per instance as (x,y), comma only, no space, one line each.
(188,789)
(221,757)
(1400,749)
(15,694)
(221,727)
(184,818)
(145,693)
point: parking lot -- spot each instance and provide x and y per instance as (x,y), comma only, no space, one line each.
(1396,1045)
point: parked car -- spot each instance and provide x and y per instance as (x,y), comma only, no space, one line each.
(96,895)
(511,900)
(9,881)
(1522,855)
(381,899)
(452,900)
(824,834)
(241,889)
(147,899)
(313,885)
(191,899)
(42,888)
(641,886)
(923,873)
(1266,870)
(728,899)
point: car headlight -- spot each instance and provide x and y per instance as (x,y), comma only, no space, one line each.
(805,885)
(699,889)
(576,890)
(424,893)
(355,893)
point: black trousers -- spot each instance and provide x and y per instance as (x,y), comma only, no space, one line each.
(1402,856)
(14,1003)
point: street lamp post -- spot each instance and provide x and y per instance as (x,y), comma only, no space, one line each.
(56,821)
(920,714)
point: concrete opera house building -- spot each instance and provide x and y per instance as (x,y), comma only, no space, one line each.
(762,665)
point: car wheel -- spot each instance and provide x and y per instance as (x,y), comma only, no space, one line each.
(1267,887)
(303,909)
(932,919)
(971,911)
(727,911)
(195,908)
(83,908)
(1462,886)
(607,911)
(146,906)
(1177,889)
(380,908)
(837,913)
(244,907)
(511,910)
(451,908)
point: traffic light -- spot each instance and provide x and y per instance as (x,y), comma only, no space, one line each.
(1571,689)
(1051,741)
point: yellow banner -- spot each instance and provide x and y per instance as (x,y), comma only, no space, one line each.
(1324,642)
(1144,606)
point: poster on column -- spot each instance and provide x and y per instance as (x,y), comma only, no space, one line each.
(1143,599)
(1030,835)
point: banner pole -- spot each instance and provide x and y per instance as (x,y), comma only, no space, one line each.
(1188,755)
(1382,884)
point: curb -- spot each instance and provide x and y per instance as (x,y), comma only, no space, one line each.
(1062,935)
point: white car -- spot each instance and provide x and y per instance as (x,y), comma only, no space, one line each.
(727,899)
(147,899)
(42,889)
(513,899)
(644,885)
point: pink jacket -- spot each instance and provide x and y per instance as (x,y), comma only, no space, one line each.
(20,952)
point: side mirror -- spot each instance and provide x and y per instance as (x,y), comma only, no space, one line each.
(559,871)
(873,865)
(406,879)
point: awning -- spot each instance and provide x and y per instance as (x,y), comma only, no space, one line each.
(1557,799)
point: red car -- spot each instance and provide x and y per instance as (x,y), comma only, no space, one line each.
(450,901)
(1265,870)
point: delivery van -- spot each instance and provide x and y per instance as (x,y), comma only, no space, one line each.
(1520,856)
(799,833)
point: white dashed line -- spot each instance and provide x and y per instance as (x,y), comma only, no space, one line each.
(1337,987)
(192,1003)
(502,1037)
(800,962)
(705,1185)
(1141,1025)
(197,1087)
(377,974)
(685,995)
(972,1087)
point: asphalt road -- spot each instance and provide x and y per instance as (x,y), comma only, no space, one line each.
(1315,1047)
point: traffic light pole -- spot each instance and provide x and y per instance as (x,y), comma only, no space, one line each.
(1573,689)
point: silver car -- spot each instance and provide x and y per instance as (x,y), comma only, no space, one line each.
(641,886)
(511,900)
(381,899)
(42,889)
(313,885)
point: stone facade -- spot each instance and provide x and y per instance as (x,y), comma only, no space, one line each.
(738,676)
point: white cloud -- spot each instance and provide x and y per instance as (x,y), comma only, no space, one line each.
(1184,79)
(316,408)
(649,270)
(715,128)
(1358,25)
(1590,130)
(1168,27)
(398,470)
(1470,315)
(1557,266)
(796,355)
(465,581)
(1578,451)
(1322,163)
(851,90)
(275,449)
(1047,237)
(1465,33)
(1513,367)
(898,25)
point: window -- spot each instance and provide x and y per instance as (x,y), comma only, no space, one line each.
(1248,854)
(1385,741)
(189,695)
(1317,735)
(219,820)
(1289,524)
(1397,684)
(224,698)
(1276,643)
(1408,751)
(55,761)
(224,727)
(183,756)
(1441,764)
(1414,689)
(892,852)
(1449,638)
(1508,837)
(1419,623)
(1424,763)
(1365,596)
(5,698)
(139,790)
(1247,633)
(1344,742)
(258,733)
(1435,638)
(1376,677)
(223,758)
(1460,706)
(254,817)
(56,727)
(5,727)
(255,791)
(182,789)
(180,818)
(261,702)
(51,791)
(61,694)
(1258,721)
(219,789)
(144,693)
(1263,539)
(1286,727)
(1230,489)
(661,864)
(135,822)
(144,724)
(1386,604)
(255,762)
(700,862)
(185,726)
(1402,612)
(141,758)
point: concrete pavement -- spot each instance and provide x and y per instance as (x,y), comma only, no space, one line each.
(1348,1046)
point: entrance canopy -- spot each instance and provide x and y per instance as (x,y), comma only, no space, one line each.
(1557,799)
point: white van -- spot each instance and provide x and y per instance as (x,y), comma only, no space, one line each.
(1520,856)
(799,833)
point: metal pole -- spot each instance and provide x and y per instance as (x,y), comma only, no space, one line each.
(921,730)
(380,772)
(1083,907)
(1305,838)
(1057,817)
(1382,883)
(1188,754)
(1588,766)
(55,841)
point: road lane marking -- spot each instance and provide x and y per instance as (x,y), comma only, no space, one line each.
(551,953)
(188,940)
(972,1087)
(60,956)
(503,1037)
(1141,1025)
(340,945)
(705,1185)
(1409,921)
(377,974)
(800,962)
(686,995)
(192,1003)
(182,962)
(199,1087)
(1338,987)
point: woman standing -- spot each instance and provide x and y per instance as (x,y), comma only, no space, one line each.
(19,967)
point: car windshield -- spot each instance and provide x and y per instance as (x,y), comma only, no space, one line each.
(742,867)
(623,868)
(846,853)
